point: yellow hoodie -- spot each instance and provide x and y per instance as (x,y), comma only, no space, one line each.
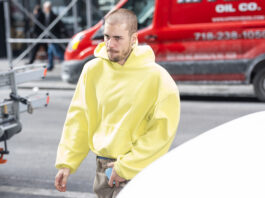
(127,112)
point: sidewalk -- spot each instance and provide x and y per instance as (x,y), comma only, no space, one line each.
(53,82)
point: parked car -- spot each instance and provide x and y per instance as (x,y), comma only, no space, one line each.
(227,161)
(197,41)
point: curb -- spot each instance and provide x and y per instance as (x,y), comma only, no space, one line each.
(44,192)
(186,90)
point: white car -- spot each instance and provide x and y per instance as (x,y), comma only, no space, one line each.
(225,162)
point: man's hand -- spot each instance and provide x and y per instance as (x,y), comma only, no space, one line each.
(61,179)
(114,176)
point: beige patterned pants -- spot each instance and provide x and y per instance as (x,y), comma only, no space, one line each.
(101,187)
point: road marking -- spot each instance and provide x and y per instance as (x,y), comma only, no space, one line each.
(44,192)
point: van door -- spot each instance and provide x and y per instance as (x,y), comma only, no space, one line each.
(209,40)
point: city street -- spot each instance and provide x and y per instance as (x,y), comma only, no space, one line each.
(30,170)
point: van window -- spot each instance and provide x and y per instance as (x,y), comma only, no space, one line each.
(144,10)
(101,8)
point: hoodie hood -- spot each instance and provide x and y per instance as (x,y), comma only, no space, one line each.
(139,57)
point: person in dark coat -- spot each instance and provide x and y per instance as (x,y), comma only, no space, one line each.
(35,31)
(58,30)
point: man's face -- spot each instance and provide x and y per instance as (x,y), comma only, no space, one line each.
(46,9)
(118,42)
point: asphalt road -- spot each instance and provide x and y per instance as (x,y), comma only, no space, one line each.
(30,170)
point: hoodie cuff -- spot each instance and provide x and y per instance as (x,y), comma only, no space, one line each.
(60,166)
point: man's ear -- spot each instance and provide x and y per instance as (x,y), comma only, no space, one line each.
(134,38)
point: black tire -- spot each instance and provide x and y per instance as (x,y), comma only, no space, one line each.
(259,84)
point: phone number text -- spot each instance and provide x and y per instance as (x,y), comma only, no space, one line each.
(230,35)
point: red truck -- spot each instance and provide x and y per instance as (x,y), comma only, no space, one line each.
(198,41)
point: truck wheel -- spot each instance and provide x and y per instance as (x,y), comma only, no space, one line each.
(259,84)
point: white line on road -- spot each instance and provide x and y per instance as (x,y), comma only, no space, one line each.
(44,192)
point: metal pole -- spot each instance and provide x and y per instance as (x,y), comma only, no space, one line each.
(14,40)
(13,86)
(88,13)
(8,45)
(27,22)
(75,19)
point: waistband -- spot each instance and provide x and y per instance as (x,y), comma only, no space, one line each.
(104,158)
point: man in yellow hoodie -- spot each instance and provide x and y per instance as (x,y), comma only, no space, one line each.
(125,109)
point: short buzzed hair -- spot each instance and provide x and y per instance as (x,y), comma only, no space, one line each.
(47,4)
(123,15)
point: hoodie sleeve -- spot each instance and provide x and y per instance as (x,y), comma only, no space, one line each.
(74,147)
(160,132)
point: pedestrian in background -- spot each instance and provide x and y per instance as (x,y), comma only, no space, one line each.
(58,30)
(125,109)
(35,31)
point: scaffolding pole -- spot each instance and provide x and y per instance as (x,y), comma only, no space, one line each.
(75,17)
(13,40)
(8,35)
(89,13)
